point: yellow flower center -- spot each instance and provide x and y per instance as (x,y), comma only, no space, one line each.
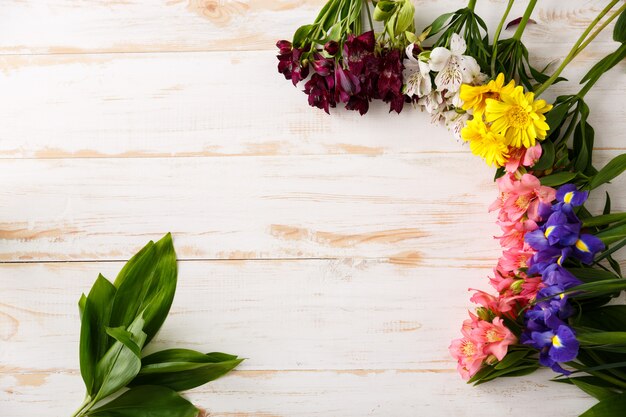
(468,349)
(522,201)
(492,336)
(518,116)
(556,342)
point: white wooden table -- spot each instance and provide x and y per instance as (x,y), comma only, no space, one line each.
(333,252)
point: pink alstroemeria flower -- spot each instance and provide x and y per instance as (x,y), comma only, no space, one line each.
(519,198)
(469,355)
(495,337)
(522,156)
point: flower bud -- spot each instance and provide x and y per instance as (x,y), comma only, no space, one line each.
(516,287)
(491,359)
(331,48)
(484,314)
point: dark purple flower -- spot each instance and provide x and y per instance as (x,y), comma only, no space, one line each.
(556,275)
(289,62)
(390,79)
(321,92)
(359,102)
(346,84)
(331,48)
(359,51)
(322,66)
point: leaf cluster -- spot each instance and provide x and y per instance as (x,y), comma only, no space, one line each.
(118,320)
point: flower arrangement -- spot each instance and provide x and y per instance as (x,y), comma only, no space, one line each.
(556,284)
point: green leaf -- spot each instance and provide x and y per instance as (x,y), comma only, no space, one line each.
(557,179)
(406,16)
(182,369)
(597,288)
(147,401)
(612,234)
(604,219)
(301,35)
(555,117)
(547,156)
(602,338)
(121,335)
(619,31)
(592,389)
(439,23)
(611,170)
(511,359)
(591,274)
(147,284)
(93,337)
(384,10)
(120,364)
(610,407)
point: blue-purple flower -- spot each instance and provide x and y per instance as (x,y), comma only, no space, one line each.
(556,346)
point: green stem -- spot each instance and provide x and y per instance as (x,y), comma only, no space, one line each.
(524,21)
(494,53)
(85,405)
(599,29)
(576,49)
(471,5)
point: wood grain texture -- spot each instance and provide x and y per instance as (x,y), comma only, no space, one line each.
(421,207)
(64,26)
(223,104)
(334,253)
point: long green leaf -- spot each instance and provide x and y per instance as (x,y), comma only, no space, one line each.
(557,179)
(147,401)
(182,369)
(120,364)
(613,406)
(604,219)
(146,283)
(612,234)
(611,170)
(93,337)
(602,338)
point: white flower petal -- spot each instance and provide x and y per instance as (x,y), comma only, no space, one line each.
(450,77)
(439,58)
(469,68)
(457,44)
(409,53)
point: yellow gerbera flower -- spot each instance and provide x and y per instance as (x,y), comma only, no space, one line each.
(485,143)
(518,117)
(474,98)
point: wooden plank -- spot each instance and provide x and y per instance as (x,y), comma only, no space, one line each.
(409,209)
(62,26)
(222,104)
(282,315)
(322,337)
(325,393)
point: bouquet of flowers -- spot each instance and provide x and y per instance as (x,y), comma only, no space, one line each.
(556,284)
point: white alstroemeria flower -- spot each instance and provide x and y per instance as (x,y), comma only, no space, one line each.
(455,122)
(454,98)
(431,102)
(452,66)
(416,75)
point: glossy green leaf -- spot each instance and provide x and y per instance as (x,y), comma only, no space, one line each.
(547,156)
(611,170)
(439,23)
(557,179)
(619,30)
(613,406)
(591,388)
(146,283)
(120,364)
(612,234)
(125,337)
(604,219)
(597,288)
(557,115)
(511,359)
(602,338)
(147,401)
(406,16)
(301,35)
(384,10)
(93,337)
(182,369)
(592,274)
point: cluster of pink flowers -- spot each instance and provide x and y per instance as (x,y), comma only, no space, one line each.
(485,337)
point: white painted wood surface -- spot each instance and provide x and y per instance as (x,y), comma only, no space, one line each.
(333,252)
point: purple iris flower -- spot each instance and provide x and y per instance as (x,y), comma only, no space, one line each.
(555,346)
(549,256)
(586,247)
(556,275)
(568,197)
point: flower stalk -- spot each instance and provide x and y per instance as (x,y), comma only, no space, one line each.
(496,37)
(524,21)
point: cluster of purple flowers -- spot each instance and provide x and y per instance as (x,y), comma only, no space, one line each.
(556,240)
(353,75)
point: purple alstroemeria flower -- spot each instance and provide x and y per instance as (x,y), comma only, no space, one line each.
(568,197)
(320,92)
(586,247)
(358,51)
(346,84)
(390,79)
(289,62)
(322,66)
